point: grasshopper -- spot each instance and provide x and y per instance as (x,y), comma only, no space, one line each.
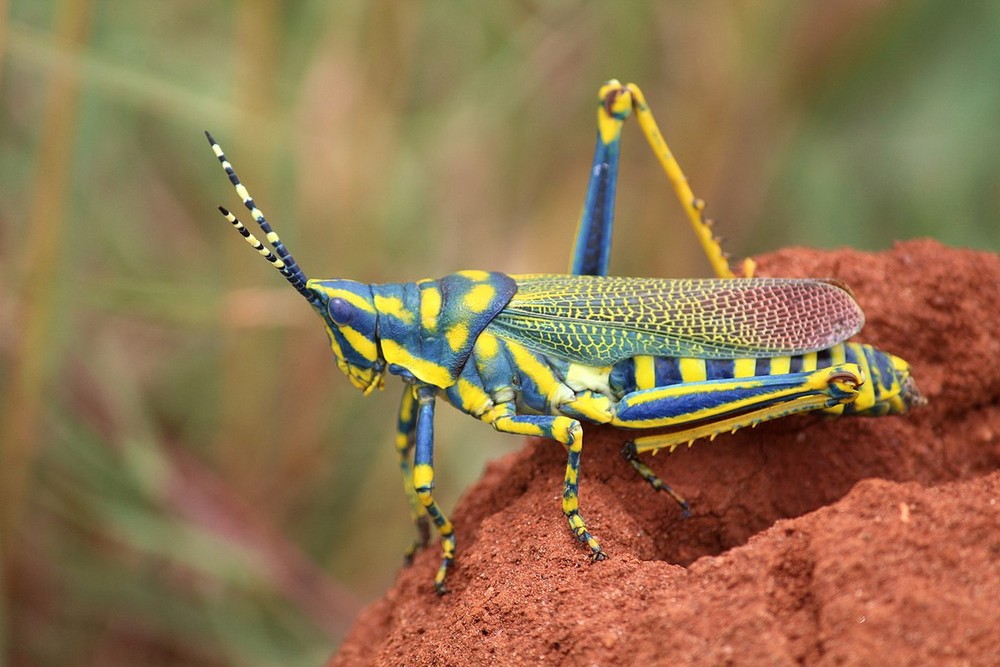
(539,355)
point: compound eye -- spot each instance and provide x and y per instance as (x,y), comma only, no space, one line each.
(340,311)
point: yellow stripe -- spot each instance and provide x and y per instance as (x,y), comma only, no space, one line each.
(347,295)
(487,346)
(362,344)
(391,305)
(809,361)
(505,424)
(594,407)
(744,368)
(335,346)
(406,406)
(477,276)
(475,401)
(430,308)
(538,372)
(428,371)
(866,395)
(480,297)
(458,336)
(780,366)
(807,395)
(692,370)
(645,372)
(837,354)
(423,475)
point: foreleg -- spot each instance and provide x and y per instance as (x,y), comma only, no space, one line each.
(405,436)
(423,480)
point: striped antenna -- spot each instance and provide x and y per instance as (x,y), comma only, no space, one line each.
(282,267)
(283,261)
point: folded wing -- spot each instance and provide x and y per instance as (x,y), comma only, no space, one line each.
(600,320)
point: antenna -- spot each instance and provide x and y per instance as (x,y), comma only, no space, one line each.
(283,261)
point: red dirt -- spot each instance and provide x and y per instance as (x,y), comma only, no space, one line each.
(811,541)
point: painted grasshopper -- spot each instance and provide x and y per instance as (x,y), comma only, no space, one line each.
(538,355)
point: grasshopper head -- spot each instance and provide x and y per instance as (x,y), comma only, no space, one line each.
(346,307)
(348,312)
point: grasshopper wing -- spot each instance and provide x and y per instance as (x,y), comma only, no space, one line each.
(599,320)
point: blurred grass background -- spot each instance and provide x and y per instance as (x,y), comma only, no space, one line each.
(185,477)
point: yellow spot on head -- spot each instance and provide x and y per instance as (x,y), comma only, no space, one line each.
(391,305)
(474,275)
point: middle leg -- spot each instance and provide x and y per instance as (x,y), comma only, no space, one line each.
(569,432)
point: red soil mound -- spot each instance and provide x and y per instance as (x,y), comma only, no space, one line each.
(903,568)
